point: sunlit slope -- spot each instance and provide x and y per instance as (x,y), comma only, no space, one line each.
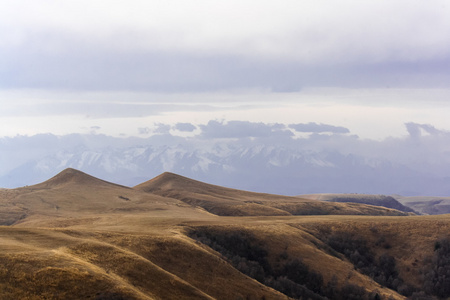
(69,264)
(230,202)
(177,262)
(75,194)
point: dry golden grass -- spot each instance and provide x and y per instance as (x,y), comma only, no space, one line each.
(76,236)
(230,202)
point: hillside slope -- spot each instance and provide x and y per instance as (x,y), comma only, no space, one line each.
(378,200)
(83,238)
(72,194)
(230,202)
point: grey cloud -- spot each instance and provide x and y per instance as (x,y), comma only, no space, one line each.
(355,47)
(162,128)
(318,128)
(415,129)
(242,129)
(185,127)
(88,65)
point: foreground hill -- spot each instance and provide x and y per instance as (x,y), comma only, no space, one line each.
(378,200)
(79,237)
(230,202)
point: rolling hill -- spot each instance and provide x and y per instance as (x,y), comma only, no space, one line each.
(75,236)
(73,194)
(231,202)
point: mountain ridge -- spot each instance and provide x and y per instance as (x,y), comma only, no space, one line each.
(268,169)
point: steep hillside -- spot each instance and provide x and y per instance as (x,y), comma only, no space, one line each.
(230,202)
(378,200)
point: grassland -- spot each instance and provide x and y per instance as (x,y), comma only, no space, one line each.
(78,237)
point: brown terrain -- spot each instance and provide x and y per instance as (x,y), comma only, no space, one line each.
(79,237)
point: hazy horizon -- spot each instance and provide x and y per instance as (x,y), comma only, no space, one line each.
(366,80)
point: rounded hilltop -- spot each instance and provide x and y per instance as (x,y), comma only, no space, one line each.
(72,176)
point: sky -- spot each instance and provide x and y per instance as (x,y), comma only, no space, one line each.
(124,68)
(363,78)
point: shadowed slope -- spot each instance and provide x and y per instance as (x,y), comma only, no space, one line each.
(230,202)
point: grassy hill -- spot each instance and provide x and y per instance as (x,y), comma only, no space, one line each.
(73,195)
(230,202)
(78,237)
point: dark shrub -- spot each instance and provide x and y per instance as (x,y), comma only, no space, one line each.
(437,270)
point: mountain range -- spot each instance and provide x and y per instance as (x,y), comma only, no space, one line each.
(263,168)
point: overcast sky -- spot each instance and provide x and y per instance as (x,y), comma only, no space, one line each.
(129,68)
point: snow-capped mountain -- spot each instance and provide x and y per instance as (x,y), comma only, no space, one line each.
(317,164)
(273,169)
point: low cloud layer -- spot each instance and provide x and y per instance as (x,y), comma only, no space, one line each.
(242,129)
(185,127)
(417,130)
(318,128)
